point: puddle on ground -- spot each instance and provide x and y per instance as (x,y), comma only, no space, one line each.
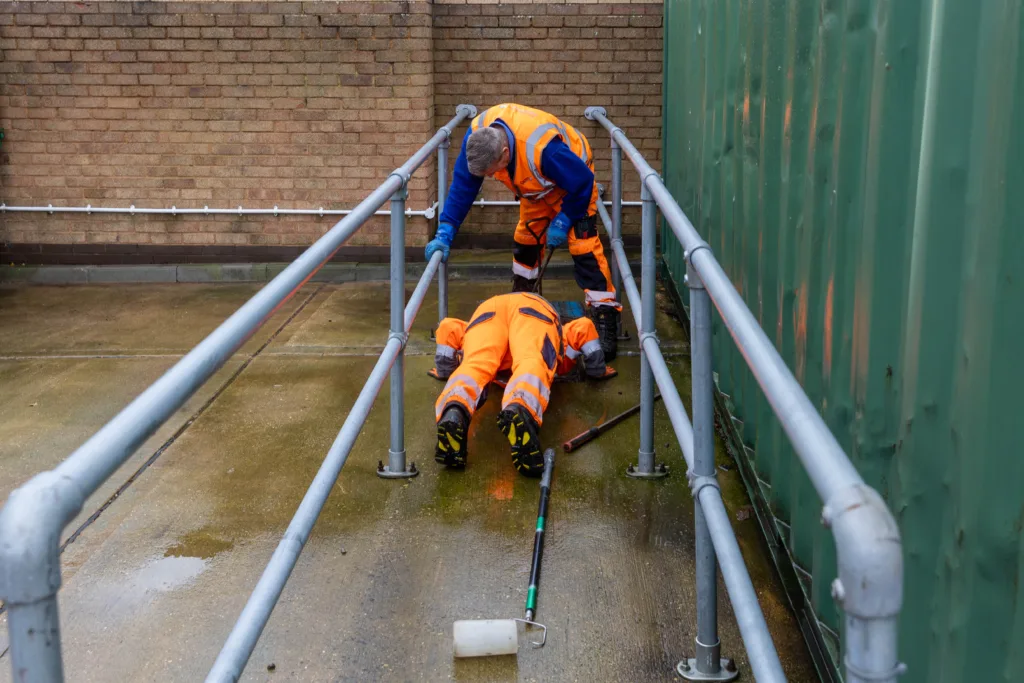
(166,574)
(198,544)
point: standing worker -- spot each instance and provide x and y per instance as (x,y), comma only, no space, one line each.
(550,167)
(520,332)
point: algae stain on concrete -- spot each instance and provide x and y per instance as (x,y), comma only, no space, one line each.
(200,544)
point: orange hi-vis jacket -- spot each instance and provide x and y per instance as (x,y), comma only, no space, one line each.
(520,332)
(533,129)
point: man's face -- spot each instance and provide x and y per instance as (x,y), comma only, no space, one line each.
(500,164)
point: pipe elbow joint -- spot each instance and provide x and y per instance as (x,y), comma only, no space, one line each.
(869,553)
(31,523)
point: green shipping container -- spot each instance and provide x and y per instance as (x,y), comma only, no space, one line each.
(858,168)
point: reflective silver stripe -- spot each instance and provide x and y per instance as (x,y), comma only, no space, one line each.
(523,397)
(447,397)
(445,351)
(522,271)
(591,346)
(469,381)
(600,297)
(571,353)
(532,380)
(583,148)
(475,123)
(531,147)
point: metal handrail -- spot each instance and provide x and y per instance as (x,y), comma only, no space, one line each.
(868,546)
(35,514)
(764,660)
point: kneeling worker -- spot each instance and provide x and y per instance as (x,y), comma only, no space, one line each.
(549,166)
(520,332)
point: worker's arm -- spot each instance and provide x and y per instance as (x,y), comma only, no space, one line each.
(461,195)
(581,339)
(561,166)
(449,335)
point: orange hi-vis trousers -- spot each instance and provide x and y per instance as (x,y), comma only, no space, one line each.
(590,265)
(518,331)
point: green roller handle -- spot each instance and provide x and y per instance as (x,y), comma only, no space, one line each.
(538,539)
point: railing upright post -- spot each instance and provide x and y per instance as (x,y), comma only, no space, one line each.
(708,664)
(442,194)
(395,469)
(616,212)
(646,467)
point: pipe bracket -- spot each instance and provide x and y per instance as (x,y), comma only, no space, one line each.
(688,254)
(644,336)
(402,337)
(590,113)
(862,675)
(699,482)
(404,176)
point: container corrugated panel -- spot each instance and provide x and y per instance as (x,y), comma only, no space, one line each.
(858,168)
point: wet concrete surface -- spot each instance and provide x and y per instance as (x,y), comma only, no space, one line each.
(155,583)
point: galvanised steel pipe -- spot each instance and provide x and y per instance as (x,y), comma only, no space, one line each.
(826,463)
(707,664)
(442,195)
(246,633)
(868,545)
(625,272)
(396,468)
(616,209)
(205,211)
(36,513)
(761,653)
(648,273)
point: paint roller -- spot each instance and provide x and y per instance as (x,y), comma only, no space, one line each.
(489,637)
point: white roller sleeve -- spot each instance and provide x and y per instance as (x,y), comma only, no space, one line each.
(485,637)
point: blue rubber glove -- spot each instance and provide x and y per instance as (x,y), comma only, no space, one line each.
(442,241)
(558,231)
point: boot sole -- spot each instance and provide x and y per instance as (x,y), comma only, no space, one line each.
(451,445)
(525,446)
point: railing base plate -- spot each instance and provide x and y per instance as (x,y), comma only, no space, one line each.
(687,669)
(660,470)
(384,471)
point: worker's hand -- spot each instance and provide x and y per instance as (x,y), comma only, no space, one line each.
(442,241)
(558,231)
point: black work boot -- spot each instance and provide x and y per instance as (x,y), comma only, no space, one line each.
(522,284)
(523,434)
(606,320)
(452,430)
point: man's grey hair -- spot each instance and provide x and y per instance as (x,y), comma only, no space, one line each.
(483,149)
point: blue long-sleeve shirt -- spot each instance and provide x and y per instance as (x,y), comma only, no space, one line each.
(558,163)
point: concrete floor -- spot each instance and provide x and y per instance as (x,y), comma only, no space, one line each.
(155,580)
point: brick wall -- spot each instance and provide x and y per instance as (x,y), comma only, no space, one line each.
(296,104)
(560,57)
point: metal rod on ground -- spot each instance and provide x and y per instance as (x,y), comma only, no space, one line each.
(442,195)
(396,469)
(586,437)
(764,660)
(708,664)
(868,544)
(35,514)
(239,646)
(646,467)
